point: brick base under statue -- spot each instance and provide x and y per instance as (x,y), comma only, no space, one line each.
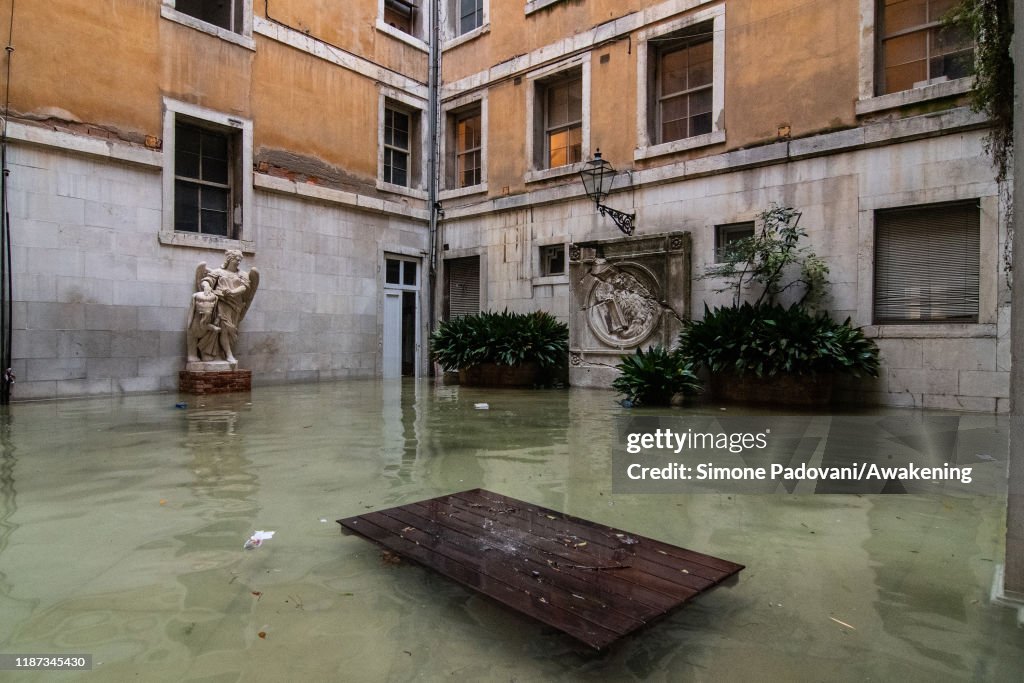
(214,382)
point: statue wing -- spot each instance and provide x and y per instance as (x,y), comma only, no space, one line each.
(201,272)
(254,283)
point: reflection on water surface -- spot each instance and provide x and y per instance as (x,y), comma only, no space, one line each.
(122,523)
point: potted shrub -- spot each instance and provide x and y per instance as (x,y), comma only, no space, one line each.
(501,349)
(770,353)
(657,377)
(760,350)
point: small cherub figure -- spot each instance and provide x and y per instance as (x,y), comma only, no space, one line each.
(202,319)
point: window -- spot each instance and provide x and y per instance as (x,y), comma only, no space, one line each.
(204,180)
(681,71)
(405,20)
(397,146)
(464,164)
(927,264)
(227,14)
(400,145)
(727,235)
(400,272)
(461,287)
(552,260)
(684,85)
(400,14)
(468,148)
(915,49)
(207,178)
(469,15)
(558,118)
(563,123)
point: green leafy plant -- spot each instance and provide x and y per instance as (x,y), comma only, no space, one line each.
(990,24)
(654,377)
(769,339)
(773,259)
(503,338)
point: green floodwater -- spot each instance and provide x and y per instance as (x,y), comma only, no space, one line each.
(122,522)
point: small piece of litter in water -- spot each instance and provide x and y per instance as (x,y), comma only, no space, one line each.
(323,520)
(163,501)
(256,540)
(262,634)
(181,404)
(985,456)
(481,406)
(842,623)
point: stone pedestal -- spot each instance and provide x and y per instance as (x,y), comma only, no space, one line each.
(214,381)
(626,293)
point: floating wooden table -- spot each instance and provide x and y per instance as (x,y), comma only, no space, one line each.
(591,581)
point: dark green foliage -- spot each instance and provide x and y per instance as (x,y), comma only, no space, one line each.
(769,339)
(502,338)
(654,377)
(990,23)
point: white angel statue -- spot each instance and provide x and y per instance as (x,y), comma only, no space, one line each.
(222,297)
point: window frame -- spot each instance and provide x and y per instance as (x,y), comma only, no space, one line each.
(417,38)
(724,230)
(868,100)
(570,124)
(648,59)
(931,208)
(546,253)
(536,5)
(536,117)
(169,11)
(992,234)
(244,226)
(451,112)
(396,100)
(450,15)
(927,28)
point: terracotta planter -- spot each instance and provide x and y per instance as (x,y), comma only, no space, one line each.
(493,375)
(785,390)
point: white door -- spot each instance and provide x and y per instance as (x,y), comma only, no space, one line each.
(392,351)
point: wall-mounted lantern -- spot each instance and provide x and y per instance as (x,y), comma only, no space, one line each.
(597,176)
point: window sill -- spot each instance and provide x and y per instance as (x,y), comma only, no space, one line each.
(457,192)
(713,138)
(466,37)
(402,190)
(922,94)
(534,5)
(199,241)
(188,20)
(557,172)
(560,279)
(930,331)
(401,35)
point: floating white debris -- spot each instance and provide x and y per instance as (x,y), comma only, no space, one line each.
(481,406)
(256,540)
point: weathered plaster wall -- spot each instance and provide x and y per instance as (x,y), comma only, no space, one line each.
(107,71)
(936,366)
(100,304)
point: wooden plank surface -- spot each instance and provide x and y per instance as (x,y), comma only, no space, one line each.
(593,582)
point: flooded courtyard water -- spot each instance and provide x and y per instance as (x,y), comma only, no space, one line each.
(122,523)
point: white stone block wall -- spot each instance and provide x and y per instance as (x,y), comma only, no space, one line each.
(962,367)
(100,303)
